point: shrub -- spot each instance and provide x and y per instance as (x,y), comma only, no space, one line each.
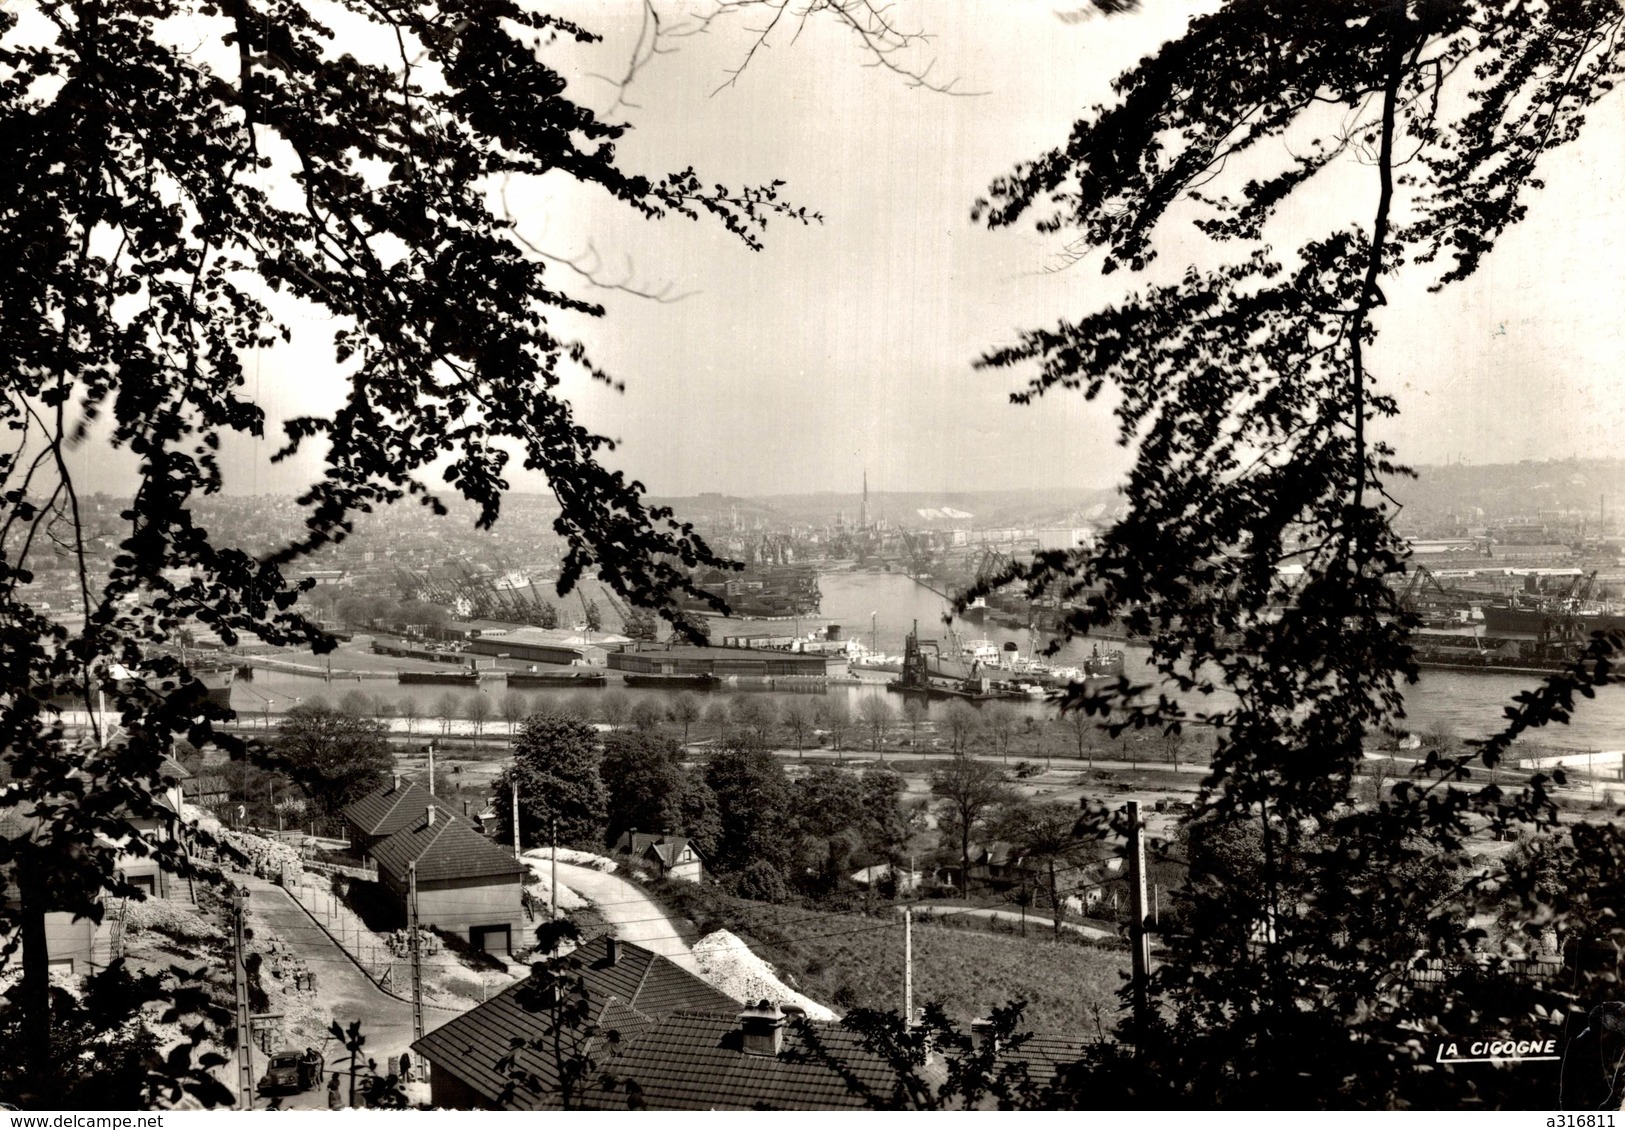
(760,881)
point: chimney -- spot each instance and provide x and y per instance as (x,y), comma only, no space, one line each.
(612,949)
(982,1029)
(429,810)
(761,1027)
(395,782)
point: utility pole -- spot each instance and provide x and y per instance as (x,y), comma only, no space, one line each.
(516,818)
(908,965)
(1139,941)
(245,1041)
(553,876)
(431,768)
(412,942)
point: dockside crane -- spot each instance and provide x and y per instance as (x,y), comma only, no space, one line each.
(1407,598)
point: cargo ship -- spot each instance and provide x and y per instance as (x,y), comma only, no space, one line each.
(217,680)
(887,664)
(536,680)
(674,682)
(1549,619)
(1494,655)
(443,678)
(928,673)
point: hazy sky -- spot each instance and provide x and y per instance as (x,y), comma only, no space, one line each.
(848,345)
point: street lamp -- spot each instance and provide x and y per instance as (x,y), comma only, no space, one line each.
(874,631)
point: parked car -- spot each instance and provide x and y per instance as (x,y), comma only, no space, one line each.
(289,1070)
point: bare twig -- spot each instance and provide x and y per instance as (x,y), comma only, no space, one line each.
(880,38)
(589,265)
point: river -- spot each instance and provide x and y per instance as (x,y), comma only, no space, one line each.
(881,609)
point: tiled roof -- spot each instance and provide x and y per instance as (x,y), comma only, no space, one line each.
(627,996)
(448,848)
(171,770)
(666,847)
(999,853)
(1044,1053)
(681,1057)
(387,810)
(696,1061)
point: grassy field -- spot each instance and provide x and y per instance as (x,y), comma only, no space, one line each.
(851,961)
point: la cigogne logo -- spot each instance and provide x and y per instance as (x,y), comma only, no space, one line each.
(1496,1050)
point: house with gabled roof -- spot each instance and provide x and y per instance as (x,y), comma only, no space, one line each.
(764,1057)
(668,856)
(466,885)
(383,812)
(662,1039)
(1000,864)
(629,989)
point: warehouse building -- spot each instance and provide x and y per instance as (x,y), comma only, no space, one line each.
(547,645)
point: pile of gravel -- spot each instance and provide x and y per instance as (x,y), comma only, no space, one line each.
(728,964)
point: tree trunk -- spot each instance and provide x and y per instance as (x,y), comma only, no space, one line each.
(964,856)
(1054,901)
(35,990)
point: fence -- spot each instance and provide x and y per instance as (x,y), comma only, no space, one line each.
(1438,970)
(368,872)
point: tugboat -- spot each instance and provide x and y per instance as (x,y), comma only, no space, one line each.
(1103,664)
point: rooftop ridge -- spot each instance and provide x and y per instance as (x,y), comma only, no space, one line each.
(648,967)
(439,827)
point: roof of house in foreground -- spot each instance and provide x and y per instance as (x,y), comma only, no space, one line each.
(697,1061)
(389,808)
(628,995)
(664,1040)
(445,848)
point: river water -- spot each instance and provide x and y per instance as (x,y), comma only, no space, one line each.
(881,609)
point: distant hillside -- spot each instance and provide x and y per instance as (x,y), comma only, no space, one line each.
(1503,491)
(1578,487)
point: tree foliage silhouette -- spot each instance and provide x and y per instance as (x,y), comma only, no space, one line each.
(192,177)
(1245,388)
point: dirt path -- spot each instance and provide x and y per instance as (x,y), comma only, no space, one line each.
(635,916)
(1035,922)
